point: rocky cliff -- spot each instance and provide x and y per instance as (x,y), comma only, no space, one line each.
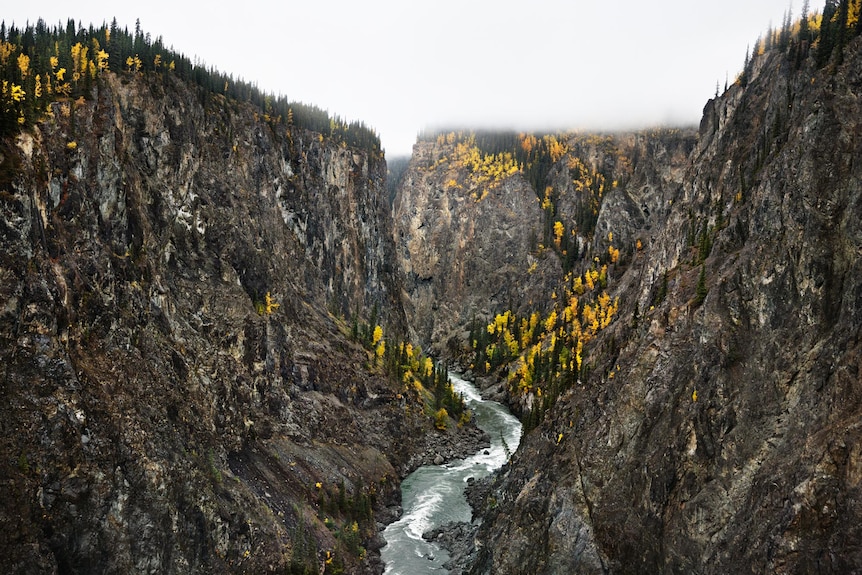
(718,430)
(471,246)
(461,245)
(181,394)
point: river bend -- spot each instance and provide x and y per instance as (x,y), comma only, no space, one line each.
(433,495)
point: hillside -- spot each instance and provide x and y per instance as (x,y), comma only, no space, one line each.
(691,376)
(197,314)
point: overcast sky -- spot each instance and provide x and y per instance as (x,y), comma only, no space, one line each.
(402,66)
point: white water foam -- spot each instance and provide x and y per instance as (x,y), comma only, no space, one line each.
(434,495)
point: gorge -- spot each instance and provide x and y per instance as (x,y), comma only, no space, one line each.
(216,331)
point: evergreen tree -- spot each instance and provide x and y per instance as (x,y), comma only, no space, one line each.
(50,50)
(828,33)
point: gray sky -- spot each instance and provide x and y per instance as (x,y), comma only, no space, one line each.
(401,66)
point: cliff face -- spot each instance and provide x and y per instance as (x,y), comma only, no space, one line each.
(464,253)
(470,250)
(718,431)
(159,416)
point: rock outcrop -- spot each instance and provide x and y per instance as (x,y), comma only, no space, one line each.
(719,430)
(463,256)
(471,250)
(180,392)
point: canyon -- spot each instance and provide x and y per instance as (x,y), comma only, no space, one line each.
(183,281)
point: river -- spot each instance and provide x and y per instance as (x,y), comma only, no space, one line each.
(433,495)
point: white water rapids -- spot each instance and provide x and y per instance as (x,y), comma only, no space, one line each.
(433,495)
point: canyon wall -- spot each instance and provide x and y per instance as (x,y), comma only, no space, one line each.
(719,428)
(181,391)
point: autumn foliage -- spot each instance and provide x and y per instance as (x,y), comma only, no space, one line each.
(544,355)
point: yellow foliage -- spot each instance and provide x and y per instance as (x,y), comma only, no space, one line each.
(6,50)
(546,202)
(551,322)
(559,230)
(485,170)
(79,60)
(24,65)
(556,148)
(441,419)
(578,357)
(270,305)
(13,92)
(578,286)
(528,142)
(534,320)
(524,377)
(377,335)
(510,342)
(134,63)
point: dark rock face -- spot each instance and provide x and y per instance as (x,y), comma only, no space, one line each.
(728,439)
(462,255)
(157,418)
(469,255)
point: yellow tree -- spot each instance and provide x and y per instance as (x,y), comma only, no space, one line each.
(270,305)
(559,231)
(377,335)
(102,60)
(24,65)
(134,65)
(76,61)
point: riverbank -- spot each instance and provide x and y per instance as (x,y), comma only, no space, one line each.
(457,442)
(434,495)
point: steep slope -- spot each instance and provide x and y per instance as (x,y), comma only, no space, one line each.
(477,240)
(718,430)
(461,243)
(181,394)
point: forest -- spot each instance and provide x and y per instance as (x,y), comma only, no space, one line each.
(40,65)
